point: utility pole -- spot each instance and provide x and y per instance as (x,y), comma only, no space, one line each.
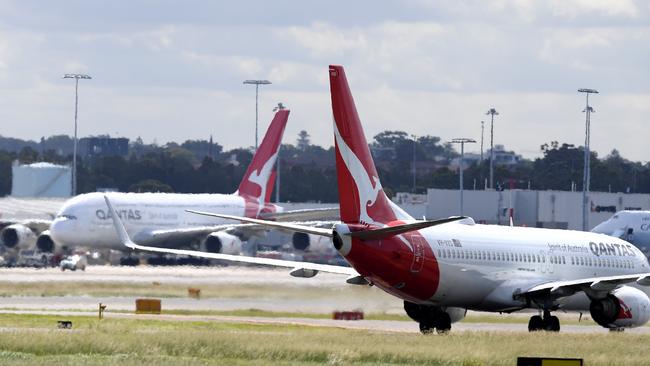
(76,77)
(461,166)
(586,174)
(492,112)
(482,132)
(257,84)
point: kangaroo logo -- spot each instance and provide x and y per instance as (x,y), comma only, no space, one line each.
(260,177)
(368,192)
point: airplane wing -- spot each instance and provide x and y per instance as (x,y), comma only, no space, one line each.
(301,228)
(304,215)
(176,237)
(300,269)
(592,285)
(371,234)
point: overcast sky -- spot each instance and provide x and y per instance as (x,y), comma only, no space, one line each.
(173,70)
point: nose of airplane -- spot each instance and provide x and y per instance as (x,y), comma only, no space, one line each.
(62,231)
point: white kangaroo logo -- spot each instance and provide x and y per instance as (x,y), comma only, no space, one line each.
(261,177)
(368,192)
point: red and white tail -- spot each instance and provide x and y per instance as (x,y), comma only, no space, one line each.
(361,196)
(257,183)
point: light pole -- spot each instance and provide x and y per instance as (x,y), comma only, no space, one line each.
(257,84)
(462,141)
(492,112)
(414,142)
(586,176)
(76,78)
(482,133)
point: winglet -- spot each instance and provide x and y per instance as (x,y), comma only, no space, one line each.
(119,226)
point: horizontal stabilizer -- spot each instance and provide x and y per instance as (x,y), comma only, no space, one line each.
(271,224)
(386,232)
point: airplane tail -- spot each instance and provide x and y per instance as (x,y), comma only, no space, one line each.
(361,196)
(258,182)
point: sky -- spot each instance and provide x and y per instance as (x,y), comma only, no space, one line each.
(173,70)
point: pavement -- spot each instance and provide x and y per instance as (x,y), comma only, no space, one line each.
(323,294)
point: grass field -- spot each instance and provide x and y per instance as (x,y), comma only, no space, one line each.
(34,340)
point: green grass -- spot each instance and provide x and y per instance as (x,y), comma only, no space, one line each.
(34,340)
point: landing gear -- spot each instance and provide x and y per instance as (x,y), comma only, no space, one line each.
(129,261)
(548,322)
(430,318)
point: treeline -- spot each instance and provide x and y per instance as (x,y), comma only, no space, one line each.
(307,172)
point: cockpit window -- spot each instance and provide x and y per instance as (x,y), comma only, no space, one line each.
(69,217)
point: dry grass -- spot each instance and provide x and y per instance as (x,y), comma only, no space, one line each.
(99,289)
(30,339)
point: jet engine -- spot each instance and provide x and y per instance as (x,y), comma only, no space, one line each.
(625,307)
(220,242)
(17,236)
(311,243)
(44,242)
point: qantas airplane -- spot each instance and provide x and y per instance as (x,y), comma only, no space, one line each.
(444,267)
(159,218)
(631,226)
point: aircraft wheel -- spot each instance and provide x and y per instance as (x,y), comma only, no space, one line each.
(426,328)
(535,323)
(553,324)
(443,323)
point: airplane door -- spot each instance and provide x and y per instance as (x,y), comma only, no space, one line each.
(418,253)
(547,265)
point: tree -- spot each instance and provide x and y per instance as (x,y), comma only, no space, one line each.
(303,140)
(150,185)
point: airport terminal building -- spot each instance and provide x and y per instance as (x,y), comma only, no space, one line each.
(548,209)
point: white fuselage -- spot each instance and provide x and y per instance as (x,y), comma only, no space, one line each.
(632,226)
(482,266)
(84,219)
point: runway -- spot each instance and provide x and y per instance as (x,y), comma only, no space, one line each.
(369,325)
(231,288)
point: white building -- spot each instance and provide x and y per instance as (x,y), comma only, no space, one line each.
(40,180)
(551,209)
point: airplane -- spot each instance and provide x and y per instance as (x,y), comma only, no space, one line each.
(631,226)
(157,218)
(442,268)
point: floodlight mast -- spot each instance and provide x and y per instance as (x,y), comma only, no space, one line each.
(76,77)
(586,172)
(492,112)
(257,84)
(462,141)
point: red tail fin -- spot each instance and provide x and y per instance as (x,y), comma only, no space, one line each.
(361,196)
(257,183)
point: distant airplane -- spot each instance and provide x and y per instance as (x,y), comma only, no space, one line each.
(442,268)
(159,218)
(631,226)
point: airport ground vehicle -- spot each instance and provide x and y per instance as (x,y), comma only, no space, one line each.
(442,268)
(73,262)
